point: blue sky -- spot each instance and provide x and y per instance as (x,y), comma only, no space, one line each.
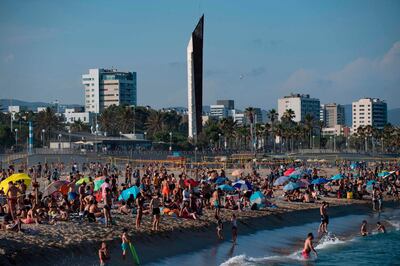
(337,51)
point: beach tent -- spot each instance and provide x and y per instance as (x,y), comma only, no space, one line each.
(60,185)
(281,180)
(126,194)
(242,185)
(257,197)
(337,177)
(83,179)
(226,187)
(319,181)
(289,171)
(191,182)
(303,183)
(14,178)
(291,186)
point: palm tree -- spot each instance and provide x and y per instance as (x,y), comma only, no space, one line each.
(250,115)
(309,125)
(47,120)
(79,126)
(155,122)
(288,116)
(108,120)
(227,127)
(126,119)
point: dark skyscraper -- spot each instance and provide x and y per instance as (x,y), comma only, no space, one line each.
(195,79)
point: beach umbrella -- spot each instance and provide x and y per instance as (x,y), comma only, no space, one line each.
(98,183)
(319,181)
(337,177)
(303,183)
(242,185)
(237,173)
(15,178)
(291,186)
(257,197)
(83,179)
(289,171)
(384,173)
(59,185)
(353,166)
(371,182)
(226,187)
(191,182)
(126,194)
(281,180)
(220,180)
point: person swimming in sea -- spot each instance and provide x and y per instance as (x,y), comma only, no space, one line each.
(125,242)
(308,247)
(380,227)
(363,229)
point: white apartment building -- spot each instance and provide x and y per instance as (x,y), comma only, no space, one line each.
(75,114)
(369,111)
(219,111)
(105,87)
(301,104)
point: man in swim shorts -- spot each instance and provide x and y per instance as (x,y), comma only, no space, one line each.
(323,227)
(308,247)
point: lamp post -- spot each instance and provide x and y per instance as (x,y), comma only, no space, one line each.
(366,145)
(313,142)
(331,142)
(382,145)
(334,143)
(43,131)
(219,141)
(16,137)
(69,137)
(145,135)
(59,141)
(170,141)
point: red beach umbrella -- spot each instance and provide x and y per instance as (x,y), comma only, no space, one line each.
(289,171)
(191,182)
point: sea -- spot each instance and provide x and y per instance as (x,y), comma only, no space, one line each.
(343,245)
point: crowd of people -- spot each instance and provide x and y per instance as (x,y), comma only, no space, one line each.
(95,192)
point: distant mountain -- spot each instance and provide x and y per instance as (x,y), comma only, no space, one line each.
(394,116)
(32,106)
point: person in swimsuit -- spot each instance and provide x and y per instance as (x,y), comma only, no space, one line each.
(165,190)
(104,255)
(139,209)
(380,227)
(216,201)
(308,247)
(363,229)
(220,227)
(323,227)
(155,207)
(234,229)
(125,242)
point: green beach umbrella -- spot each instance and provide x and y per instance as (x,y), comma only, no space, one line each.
(83,179)
(98,183)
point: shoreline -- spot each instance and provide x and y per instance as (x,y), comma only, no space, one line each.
(152,246)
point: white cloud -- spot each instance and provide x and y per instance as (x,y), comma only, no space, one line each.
(8,58)
(376,77)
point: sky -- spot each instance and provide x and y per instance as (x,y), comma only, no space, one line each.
(254,51)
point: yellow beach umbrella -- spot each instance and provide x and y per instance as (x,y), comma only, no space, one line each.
(14,178)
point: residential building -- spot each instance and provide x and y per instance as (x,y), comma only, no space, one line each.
(239,118)
(229,104)
(41,109)
(337,130)
(301,104)
(195,79)
(219,111)
(369,111)
(105,87)
(77,114)
(332,114)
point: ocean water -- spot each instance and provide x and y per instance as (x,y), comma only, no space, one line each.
(342,246)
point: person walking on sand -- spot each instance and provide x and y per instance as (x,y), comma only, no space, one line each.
(234,229)
(308,247)
(217,201)
(12,196)
(155,207)
(323,227)
(125,242)
(104,254)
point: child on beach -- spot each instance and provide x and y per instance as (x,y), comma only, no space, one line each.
(125,242)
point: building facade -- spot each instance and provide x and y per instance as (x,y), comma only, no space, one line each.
(77,114)
(332,114)
(105,87)
(229,104)
(219,111)
(195,80)
(369,111)
(301,104)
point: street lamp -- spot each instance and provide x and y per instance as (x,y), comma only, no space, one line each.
(145,135)
(366,145)
(382,144)
(170,141)
(43,131)
(69,137)
(59,141)
(16,137)
(313,142)
(331,142)
(219,141)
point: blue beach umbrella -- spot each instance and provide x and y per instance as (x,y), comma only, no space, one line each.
(226,187)
(126,194)
(337,177)
(257,197)
(353,166)
(242,185)
(319,181)
(384,173)
(291,186)
(371,182)
(220,180)
(281,180)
